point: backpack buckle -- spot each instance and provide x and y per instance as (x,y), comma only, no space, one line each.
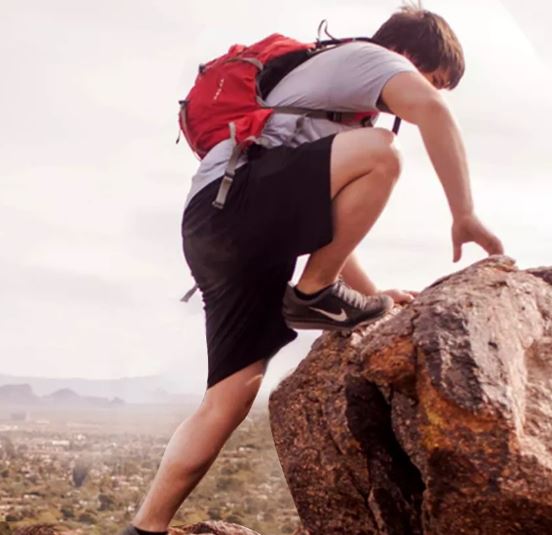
(223,190)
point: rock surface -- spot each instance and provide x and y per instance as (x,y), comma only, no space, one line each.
(213,527)
(436,420)
(201,528)
(43,529)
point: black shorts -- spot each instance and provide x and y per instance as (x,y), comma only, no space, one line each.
(242,257)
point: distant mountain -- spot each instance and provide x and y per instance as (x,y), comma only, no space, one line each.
(63,395)
(22,394)
(18,394)
(145,389)
(66,396)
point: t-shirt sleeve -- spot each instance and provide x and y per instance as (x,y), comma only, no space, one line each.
(347,78)
(361,77)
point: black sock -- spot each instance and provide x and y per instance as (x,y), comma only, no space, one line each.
(144,532)
(302,295)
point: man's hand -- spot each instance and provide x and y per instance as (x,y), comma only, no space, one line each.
(468,228)
(400,296)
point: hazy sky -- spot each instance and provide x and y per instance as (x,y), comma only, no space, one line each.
(93,186)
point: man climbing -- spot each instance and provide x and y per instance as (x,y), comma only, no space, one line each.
(315,186)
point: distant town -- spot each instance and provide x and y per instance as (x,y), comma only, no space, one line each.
(85,462)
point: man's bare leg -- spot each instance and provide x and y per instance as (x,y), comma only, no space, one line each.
(364,168)
(195,444)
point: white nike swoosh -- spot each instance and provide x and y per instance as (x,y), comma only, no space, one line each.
(337,317)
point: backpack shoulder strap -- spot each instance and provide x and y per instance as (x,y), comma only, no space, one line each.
(278,68)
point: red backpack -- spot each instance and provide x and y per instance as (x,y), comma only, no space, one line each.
(227,99)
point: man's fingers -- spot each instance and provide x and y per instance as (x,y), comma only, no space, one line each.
(457,252)
(472,230)
(497,246)
(400,296)
(493,246)
(406,296)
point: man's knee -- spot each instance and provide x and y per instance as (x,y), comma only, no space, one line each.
(360,152)
(388,159)
(233,397)
(230,412)
(390,165)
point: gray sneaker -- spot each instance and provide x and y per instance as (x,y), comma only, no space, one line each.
(130,530)
(337,308)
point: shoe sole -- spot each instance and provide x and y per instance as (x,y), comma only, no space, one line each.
(329,326)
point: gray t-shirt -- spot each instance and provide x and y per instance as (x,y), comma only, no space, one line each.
(348,78)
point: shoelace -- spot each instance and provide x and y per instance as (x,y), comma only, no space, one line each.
(349,295)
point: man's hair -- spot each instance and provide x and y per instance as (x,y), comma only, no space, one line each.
(427,38)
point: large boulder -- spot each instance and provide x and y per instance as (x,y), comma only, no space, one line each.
(435,420)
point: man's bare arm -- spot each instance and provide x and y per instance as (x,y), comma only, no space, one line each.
(355,276)
(411,97)
(414,99)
